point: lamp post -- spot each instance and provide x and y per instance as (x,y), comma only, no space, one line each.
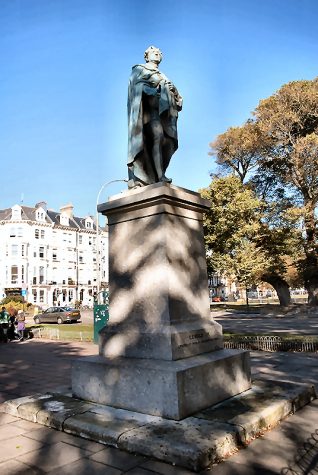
(97,228)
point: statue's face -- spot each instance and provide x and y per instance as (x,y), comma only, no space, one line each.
(154,55)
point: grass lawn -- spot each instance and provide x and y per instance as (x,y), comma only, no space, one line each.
(66,331)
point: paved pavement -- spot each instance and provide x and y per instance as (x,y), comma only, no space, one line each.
(39,366)
(264,324)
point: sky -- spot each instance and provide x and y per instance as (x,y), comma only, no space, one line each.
(64,73)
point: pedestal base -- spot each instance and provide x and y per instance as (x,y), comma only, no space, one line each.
(171,389)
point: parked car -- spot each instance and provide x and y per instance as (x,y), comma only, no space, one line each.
(216,299)
(58,315)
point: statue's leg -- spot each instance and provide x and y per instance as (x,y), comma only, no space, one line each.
(157,140)
(168,149)
(157,146)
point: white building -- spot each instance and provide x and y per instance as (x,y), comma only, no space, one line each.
(51,257)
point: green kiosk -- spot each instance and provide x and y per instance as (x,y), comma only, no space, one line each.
(101,312)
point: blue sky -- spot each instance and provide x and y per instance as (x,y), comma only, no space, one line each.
(64,72)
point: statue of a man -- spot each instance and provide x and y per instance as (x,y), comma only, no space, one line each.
(153,105)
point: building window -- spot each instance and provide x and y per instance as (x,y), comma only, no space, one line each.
(12,232)
(41,275)
(41,296)
(35,295)
(22,274)
(14,274)
(90,240)
(20,232)
(14,250)
(23,250)
(40,215)
(36,234)
(80,259)
(42,234)
(80,239)
(41,252)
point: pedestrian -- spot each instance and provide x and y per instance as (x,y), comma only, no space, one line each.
(12,320)
(21,324)
(4,325)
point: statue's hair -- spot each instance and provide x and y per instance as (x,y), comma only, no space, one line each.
(151,48)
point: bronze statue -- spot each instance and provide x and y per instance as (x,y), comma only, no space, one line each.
(153,105)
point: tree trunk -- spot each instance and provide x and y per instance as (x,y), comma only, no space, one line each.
(311,284)
(310,269)
(281,287)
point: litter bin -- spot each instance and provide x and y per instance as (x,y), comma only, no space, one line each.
(101,312)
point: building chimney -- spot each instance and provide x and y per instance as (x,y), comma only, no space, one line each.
(67,209)
(41,204)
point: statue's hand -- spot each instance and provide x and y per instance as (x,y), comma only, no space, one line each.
(171,87)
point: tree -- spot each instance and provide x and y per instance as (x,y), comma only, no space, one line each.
(276,152)
(230,227)
(289,120)
(237,150)
(242,239)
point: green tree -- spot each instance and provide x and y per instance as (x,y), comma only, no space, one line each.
(241,239)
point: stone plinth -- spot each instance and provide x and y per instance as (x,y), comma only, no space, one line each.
(160,342)
(171,389)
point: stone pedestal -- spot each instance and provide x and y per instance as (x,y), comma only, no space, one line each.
(161,353)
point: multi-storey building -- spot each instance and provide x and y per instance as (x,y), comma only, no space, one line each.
(52,258)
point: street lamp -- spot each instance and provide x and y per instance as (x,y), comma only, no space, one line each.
(97,227)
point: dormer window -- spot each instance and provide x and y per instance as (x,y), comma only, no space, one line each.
(16,212)
(64,220)
(40,214)
(88,224)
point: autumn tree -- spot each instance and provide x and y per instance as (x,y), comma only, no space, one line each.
(289,121)
(276,153)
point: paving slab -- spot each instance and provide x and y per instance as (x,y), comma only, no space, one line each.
(86,467)
(118,458)
(59,454)
(51,436)
(7,431)
(15,446)
(18,468)
(164,468)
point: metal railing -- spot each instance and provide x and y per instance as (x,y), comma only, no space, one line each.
(56,334)
(271,343)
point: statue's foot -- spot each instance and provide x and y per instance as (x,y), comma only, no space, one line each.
(132,184)
(165,179)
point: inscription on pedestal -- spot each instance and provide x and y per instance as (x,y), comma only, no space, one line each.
(197,338)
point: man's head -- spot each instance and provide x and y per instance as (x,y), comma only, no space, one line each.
(153,54)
